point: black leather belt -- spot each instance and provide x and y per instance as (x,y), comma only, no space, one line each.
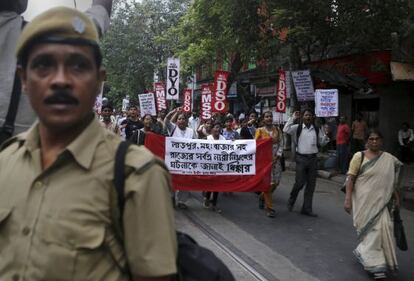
(307,155)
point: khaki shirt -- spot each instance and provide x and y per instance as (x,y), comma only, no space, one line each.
(58,224)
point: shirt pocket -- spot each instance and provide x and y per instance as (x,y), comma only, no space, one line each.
(72,249)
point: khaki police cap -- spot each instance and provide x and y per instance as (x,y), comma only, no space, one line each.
(58,24)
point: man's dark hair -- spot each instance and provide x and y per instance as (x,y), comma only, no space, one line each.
(108,105)
(133,105)
(228,118)
(217,123)
(306,110)
(252,111)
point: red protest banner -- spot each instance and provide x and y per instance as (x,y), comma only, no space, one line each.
(160,96)
(205,112)
(219,101)
(221,183)
(187,100)
(281,92)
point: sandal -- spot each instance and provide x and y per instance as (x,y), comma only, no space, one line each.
(270,213)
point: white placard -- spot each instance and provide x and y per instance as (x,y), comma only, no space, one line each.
(207,157)
(147,104)
(98,101)
(326,102)
(173,78)
(303,85)
(125,104)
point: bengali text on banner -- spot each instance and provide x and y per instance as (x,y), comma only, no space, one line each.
(214,166)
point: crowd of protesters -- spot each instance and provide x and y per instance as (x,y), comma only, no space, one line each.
(330,134)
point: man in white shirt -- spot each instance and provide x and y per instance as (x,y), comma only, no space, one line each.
(179,130)
(307,137)
(194,121)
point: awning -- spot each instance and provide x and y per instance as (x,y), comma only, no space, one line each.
(335,78)
(266,91)
(402,71)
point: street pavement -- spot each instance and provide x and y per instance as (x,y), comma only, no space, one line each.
(290,247)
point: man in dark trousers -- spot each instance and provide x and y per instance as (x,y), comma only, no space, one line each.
(308,137)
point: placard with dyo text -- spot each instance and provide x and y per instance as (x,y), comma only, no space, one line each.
(147,104)
(326,102)
(207,157)
(173,78)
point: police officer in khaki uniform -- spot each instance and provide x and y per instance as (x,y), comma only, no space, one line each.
(56,193)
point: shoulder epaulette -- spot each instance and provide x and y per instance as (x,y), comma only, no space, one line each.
(9,142)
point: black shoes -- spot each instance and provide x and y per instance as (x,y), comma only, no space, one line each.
(309,214)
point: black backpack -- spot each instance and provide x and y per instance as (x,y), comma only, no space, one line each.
(195,263)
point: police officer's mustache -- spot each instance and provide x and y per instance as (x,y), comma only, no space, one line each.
(61,97)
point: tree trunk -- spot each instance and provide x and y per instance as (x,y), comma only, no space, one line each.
(236,66)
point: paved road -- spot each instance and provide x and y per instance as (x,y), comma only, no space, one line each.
(290,247)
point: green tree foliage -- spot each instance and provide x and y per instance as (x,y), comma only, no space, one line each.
(318,28)
(322,28)
(138,44)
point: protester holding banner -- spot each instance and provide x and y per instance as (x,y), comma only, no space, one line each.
(194,121)
(210,198)
(249,131)
(271,131)
(204,129)
(228,132)
(159,126)
(308,138)
(179,130)
(138,137)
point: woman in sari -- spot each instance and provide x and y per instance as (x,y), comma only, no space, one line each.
(275,134)
(371,195)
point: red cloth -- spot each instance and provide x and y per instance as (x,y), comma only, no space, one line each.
(258,182)
(343,134)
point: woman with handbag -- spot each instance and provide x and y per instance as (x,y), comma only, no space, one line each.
(371,194)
